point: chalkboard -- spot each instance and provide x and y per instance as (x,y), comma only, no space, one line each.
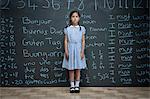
(117,42)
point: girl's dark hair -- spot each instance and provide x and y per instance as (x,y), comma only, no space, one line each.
(70,22)
(71,13)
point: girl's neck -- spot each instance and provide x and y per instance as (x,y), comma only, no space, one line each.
(75,24)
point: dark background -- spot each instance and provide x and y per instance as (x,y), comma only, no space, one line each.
(117,42)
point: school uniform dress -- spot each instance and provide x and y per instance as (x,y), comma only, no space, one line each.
(74,34)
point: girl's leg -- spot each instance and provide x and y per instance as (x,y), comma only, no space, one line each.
(77,74)
(71,77)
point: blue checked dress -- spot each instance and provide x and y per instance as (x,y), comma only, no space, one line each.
(74,34)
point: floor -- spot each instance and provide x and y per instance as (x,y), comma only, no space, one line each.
(86,93)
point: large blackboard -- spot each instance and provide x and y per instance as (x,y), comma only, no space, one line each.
(117,42)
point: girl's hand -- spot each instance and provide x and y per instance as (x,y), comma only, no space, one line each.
(82,55)
(67,55)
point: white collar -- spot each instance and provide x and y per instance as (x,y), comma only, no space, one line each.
(74,26)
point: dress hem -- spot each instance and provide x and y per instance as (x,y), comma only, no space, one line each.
(74,68)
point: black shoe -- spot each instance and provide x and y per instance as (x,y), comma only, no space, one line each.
(72,90)
(77,89)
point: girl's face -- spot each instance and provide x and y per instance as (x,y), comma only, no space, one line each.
(75,18)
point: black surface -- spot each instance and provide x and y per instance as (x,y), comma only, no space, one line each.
(117,42)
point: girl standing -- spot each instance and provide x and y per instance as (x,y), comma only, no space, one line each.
(74,43)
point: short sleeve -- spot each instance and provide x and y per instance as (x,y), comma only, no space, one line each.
(65,31)
(83,29)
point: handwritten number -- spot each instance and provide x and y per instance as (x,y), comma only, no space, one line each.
(48,4)
(5,6)
(81,5)
(21,4)
(56,6)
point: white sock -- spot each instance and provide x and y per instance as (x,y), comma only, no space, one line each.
(77,83)
(72,83)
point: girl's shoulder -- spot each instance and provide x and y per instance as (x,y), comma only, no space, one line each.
(83,29)
(80,26)
(71,26)
(68,28)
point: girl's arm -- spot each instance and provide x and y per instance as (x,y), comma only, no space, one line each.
(83,43)
(66,45)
